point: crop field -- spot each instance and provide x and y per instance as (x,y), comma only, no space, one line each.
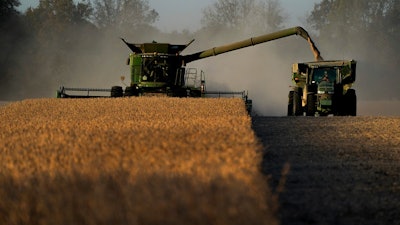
(154,160)
(141,160)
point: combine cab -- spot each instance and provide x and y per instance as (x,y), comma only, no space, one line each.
(323,88)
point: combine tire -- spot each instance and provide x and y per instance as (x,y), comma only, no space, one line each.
(249,106)
(128,91)
(311,99)
(116,91)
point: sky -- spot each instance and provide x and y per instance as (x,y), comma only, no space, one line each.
(186,14)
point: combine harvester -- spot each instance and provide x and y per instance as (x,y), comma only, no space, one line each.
(160,69)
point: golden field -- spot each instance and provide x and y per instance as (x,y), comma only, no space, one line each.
(140,160)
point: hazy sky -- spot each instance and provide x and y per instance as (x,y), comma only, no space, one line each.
(186,14)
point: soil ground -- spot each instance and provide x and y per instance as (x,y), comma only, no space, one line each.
(333,170)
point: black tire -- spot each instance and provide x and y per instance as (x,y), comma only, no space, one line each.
(339,105)
(351,102)
(297,106)
(195,93)
(290,104)
(249,106)
(338,101)
(116,91)
(311,107)
(128,91)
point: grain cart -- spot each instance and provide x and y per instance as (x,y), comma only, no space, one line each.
(323,88)
(160,69)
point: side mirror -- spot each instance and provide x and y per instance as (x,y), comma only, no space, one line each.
(349,78)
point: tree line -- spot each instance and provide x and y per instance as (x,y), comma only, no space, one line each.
(50,44)
(369,30)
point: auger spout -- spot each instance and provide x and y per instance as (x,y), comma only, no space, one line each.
(255,41)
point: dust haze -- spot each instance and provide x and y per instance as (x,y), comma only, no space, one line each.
(98,60)
(94,61)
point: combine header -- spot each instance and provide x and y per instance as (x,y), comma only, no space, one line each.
(160,69)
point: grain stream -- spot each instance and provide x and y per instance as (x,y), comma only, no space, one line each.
(140,160)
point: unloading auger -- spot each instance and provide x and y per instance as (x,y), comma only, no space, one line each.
(255,41)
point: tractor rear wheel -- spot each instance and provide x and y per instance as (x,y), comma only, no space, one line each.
(290,104)
(311,99)
(351,102)
(297,106)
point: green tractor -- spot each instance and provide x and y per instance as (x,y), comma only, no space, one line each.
(323,88)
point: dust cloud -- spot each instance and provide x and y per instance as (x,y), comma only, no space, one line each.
(41,68)
(263,70)
(98,60)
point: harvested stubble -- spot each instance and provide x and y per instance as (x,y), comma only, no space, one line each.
(131,161)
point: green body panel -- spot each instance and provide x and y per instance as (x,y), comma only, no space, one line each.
(155,47)
(326,102)
(151,84)
(136,68)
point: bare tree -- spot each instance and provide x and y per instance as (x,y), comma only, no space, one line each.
(269,16)
(227,13)
(124,14)
(260,15)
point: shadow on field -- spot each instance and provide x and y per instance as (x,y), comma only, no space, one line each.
(343,170)
(121,199)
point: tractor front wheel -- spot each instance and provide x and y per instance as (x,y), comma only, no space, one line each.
(290,104)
